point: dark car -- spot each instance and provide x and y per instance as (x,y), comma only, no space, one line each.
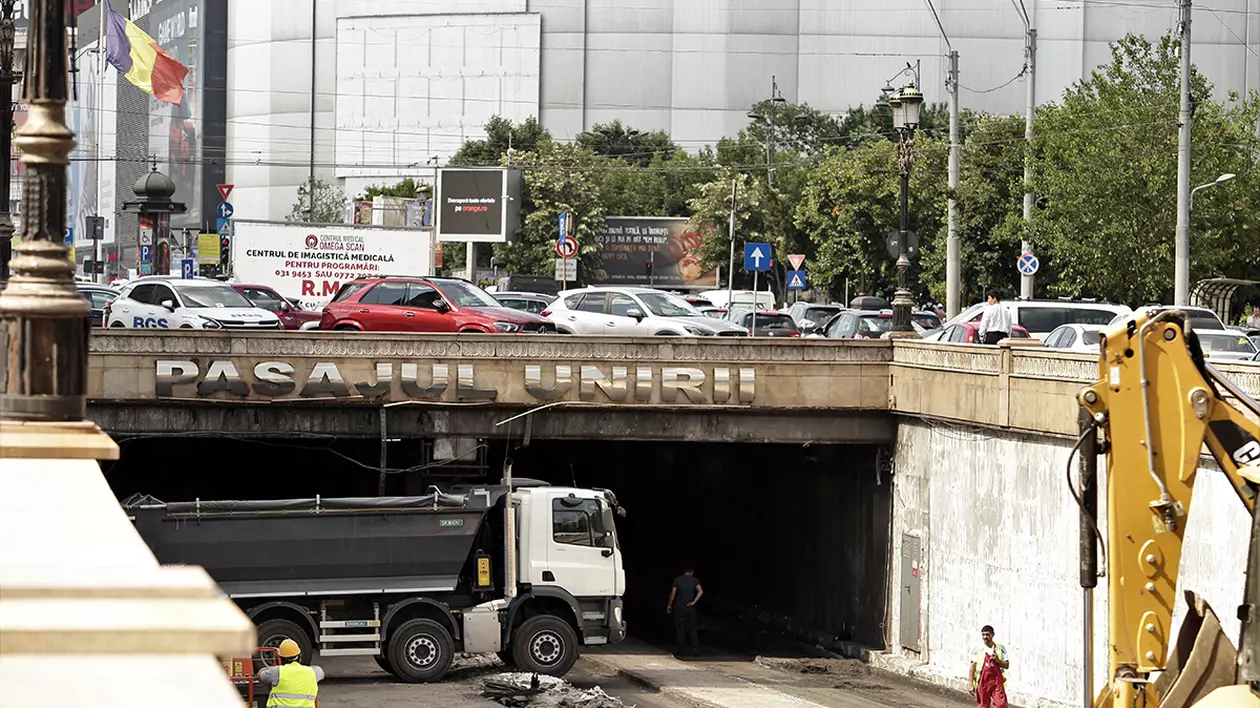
(810,316)
(871,324)
(525,302)
(291,316)
(423,304)
(99,296)
(766,324)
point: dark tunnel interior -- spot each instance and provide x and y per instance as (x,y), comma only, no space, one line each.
(776,533)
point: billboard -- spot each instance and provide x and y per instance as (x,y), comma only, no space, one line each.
(308,264)
(478,204)
(629,243)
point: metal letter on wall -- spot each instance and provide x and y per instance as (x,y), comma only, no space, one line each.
(643,384)
(222,376)
(384,378)
(617,389)
(275,378)
(325,381)
(437,384)
(747,385)
(721,384)
(559,389)
(166,377)
(689,385)
(911,570)
(466,386)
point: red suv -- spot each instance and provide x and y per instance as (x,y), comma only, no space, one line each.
(421,304)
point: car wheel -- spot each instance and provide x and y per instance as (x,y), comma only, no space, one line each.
(668,334)
(185,326)
(545,645)
(421,651)
(345,328)
(117,325)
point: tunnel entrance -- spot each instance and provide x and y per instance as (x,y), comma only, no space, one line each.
(789,541)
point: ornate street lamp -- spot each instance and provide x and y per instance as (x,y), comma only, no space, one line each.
(906,105)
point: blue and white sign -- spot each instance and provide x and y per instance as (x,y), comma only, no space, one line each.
(69,237)
(563,227)
(757,256)
(188,269)
(1028,264)
(226,228)
(225,210)
(146,259)
(796,280)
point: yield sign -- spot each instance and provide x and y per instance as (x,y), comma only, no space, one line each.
(225,190)
(796,259)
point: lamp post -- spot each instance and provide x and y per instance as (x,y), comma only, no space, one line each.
(1182,257)
(776,100)
(905,104)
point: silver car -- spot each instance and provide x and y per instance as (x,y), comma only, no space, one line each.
(1224,345)
(633,312)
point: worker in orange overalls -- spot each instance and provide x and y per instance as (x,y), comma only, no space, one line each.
(988,672)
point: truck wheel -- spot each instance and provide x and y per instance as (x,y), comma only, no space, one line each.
(383,662)
(506,658)
(421,651)
(545,645)
(274,631)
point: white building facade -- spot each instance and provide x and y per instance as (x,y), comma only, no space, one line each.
(380,87)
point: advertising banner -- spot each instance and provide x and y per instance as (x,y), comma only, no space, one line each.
(310,264)
(478,205)
(630,243)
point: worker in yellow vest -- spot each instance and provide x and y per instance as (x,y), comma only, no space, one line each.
(293,685)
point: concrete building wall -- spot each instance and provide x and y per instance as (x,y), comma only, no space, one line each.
(998,529)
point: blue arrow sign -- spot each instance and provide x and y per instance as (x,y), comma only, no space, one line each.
(757,256)
(225,210)
(1028,264)
(188,269)
(796,280)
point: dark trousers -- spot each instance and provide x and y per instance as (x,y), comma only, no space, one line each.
(994,337)
(686,627)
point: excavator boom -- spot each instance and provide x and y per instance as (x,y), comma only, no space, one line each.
(1158,403)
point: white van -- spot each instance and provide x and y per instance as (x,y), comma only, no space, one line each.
(759,300)
(1041,317)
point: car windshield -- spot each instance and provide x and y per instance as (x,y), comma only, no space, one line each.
(213,296)
(465,294)
(1046,319)
(666,305)
(874,324)
(820,315)
(1221,342)
(776,322)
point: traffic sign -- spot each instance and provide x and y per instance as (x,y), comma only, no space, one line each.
(69,237)
(566,269)
(796,280)
(894,244)
(796,259)
(188,269)
(1028,264)
(146,237)
(567,248)
(225,191)
(565,225)
(757,256)
(146,253)
(226,227)
(225,210)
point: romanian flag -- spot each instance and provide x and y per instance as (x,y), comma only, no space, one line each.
(142,60)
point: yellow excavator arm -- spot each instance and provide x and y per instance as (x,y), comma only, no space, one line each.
(1158,403)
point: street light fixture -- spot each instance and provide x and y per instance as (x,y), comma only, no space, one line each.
(906,104)
(1219,180)
(776,101)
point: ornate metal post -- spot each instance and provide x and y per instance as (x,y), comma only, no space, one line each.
(7,78)
(45,320)
(903,302)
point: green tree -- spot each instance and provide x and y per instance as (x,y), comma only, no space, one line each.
(663,187)
(1107,166)
(627,144)
(408,188)
(318,202)
(502,135)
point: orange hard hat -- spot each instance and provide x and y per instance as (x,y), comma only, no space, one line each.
(289,649)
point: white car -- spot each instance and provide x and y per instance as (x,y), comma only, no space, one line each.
(164,302)
(633,312)
(1075,338)
(1224,345)
(1200,317)
(1041,317)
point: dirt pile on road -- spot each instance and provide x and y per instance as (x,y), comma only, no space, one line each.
(520,690)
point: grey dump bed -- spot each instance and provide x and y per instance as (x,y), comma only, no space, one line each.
(317,546)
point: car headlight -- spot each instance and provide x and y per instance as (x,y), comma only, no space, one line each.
(208,323)
(698,331)
(507,326)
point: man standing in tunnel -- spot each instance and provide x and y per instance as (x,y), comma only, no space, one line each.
(682,604)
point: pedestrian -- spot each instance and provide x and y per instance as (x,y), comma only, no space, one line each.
(995,323)
(682,605)
(293,685)
(1254,320)
(987,677)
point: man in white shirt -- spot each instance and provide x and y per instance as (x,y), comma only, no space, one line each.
(1254,320)
(987,678)
(995,323)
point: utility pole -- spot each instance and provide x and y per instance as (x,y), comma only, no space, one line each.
(1026,282)
(42,312)
(730,275)
(310,213)
(953,253)
(7,78)
(1181,262)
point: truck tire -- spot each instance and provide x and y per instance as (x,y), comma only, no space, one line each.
(421,651)
(274,631)
(506,658)
(545,645)
(383,662)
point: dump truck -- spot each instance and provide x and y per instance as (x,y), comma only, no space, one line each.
(412,581)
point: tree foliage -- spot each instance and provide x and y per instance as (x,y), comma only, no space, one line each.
(408,188)
(627,144)
(328,207)
(501,135)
